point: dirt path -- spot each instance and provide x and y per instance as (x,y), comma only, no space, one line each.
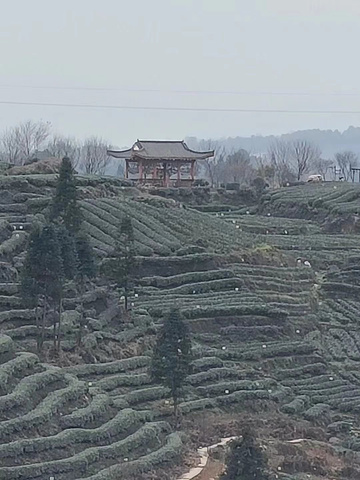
(212,471)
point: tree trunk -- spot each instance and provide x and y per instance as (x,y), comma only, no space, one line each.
(59,325)
(54,333)
(43,325)
(38,331)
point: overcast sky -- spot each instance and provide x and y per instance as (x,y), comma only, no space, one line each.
(212,48)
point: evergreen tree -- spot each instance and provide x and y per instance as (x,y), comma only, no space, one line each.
(123,266)
(64,206)
(246,460)
(86,263)
(68,251)
(42,274)
(171,360)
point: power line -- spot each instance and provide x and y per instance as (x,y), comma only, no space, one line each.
(187,92)
(181,109)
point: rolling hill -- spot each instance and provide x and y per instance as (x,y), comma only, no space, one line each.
(275,341)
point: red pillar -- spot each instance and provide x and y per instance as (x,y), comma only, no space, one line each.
(154,174)
(179,175)
(141,171)
(126,168)
(192,170)
(165,174)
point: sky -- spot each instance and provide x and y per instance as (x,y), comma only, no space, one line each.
(191,60)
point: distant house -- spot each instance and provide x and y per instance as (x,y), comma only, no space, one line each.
(160,163)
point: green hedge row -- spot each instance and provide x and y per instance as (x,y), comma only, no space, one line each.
(94,411)
(109,368)
(15,243)
(240,385)
(45,410)
(167,453)
(215,374)
(121,423)
(17,314)
(116,381)
(146,225)
(296,406)
(201,364)
(185,278)
(89,457)
(347,342)
(141,396)
(9,288)
(109,232)
(312,369)
(6,345)
(21,363)
(317,413)
(28,386)
(224,400)
(10,301)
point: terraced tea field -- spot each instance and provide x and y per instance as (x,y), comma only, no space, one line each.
(270,334)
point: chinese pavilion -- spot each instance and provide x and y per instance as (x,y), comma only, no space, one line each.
(160,163)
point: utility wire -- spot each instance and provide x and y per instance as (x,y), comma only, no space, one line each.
(188,92)
(181,109)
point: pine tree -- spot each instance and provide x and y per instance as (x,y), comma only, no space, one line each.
(124,263)
(42,274)
(68,251)
(171,360)
(86,263)
(246,460)
(70,262)
(65,208)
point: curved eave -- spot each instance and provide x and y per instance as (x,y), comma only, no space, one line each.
(208,154)
(120,153)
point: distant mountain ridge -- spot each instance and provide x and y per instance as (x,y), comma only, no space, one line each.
(329,141)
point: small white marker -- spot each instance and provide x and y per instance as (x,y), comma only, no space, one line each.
(227,392)
(90,384)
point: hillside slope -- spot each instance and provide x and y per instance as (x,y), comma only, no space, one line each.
(274,341)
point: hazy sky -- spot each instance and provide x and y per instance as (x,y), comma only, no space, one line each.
(255,47)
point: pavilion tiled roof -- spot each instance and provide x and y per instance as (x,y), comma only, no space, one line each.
(160,150)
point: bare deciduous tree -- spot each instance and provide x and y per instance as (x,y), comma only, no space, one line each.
(213,164)
(322,166)
(22,141)
(303,154)
(94,157)
(61,147)
(237,167)
(265,170)
(10,147)
(346,161)
(279,154)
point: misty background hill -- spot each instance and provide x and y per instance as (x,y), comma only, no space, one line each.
(329,141)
